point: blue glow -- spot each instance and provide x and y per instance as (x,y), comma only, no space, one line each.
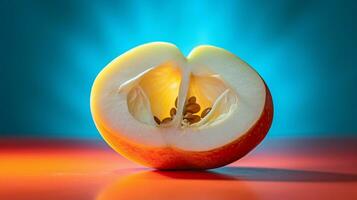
(306,52)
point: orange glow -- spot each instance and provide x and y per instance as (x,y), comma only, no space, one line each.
(82,170)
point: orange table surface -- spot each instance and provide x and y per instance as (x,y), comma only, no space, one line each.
(278,169)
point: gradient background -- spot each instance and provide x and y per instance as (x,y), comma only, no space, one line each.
(51,52)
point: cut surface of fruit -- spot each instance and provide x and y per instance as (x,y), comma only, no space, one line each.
(163,110)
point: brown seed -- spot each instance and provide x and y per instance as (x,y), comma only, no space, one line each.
(166,120)
(191,100)
(172,112)
(195,120)
(176,102)
(157,120)
(187,115)
(205,112)
(192,118)
(192,108)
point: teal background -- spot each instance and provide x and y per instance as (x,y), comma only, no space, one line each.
(51,51)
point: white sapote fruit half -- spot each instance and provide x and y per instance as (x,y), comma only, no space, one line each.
(158,108)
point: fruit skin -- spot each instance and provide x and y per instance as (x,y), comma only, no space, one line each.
(171,158)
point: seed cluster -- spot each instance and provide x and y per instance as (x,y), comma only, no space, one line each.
(189,112)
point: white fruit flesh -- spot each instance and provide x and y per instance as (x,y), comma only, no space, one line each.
(145,82)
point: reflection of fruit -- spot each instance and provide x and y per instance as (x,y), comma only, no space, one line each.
(195,185)
(158,108)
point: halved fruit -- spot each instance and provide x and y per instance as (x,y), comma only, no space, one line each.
(165,111)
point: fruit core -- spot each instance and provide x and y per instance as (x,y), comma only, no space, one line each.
(168,96)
